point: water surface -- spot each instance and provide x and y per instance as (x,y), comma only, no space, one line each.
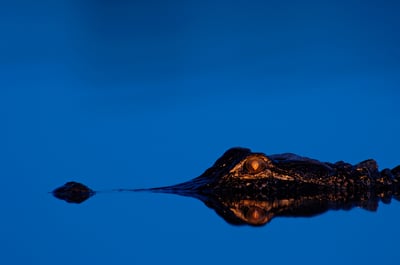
(150,94)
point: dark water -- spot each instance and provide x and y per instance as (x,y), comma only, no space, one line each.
(147,94)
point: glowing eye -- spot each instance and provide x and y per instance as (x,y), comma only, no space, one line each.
(257,216)
(254,165)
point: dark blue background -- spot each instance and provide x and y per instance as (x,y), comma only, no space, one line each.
(149,93)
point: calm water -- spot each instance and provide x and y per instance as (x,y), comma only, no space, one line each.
(150,94)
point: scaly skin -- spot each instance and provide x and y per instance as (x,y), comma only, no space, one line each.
(252,188)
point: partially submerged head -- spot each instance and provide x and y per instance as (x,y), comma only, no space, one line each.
(239,168)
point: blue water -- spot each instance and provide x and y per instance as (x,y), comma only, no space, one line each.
(150,93)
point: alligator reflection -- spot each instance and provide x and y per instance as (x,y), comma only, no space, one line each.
(251,188)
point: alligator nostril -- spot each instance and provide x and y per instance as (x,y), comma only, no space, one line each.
(73,192)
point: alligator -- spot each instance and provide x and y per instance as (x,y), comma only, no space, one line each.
(246,187)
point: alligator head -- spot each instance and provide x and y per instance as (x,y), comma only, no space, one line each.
(251,188)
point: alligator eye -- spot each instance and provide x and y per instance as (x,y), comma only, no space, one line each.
(255,213)
(254,165)
(257,216)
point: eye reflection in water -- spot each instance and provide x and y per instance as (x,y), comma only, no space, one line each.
(252,188)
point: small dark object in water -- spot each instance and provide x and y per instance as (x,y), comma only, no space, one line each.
(73,192)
